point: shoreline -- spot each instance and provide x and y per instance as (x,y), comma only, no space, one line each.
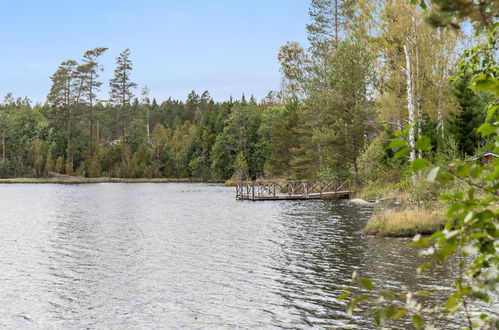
(78,180)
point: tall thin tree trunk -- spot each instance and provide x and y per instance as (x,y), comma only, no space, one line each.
(410,103)
(336,24)
(97,133)
(70,147)
(3,146)
(440,119)
(91,112)
(123,143)
(148,126)
(420,122)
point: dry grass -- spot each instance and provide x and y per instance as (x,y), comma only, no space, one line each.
(405,222)
(230,183)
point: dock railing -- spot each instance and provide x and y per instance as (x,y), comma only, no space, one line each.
(292,189)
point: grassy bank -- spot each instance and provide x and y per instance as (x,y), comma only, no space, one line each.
(408,221)
(81,180)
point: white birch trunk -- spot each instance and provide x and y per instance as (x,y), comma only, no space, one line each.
(410,104)
(420,123)
(440,119)
(148,126)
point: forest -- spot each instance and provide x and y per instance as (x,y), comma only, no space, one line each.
(370,69)
(399,96)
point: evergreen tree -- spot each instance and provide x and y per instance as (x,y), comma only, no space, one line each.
(89,73)
(463,126)
(63,97)
(121,93)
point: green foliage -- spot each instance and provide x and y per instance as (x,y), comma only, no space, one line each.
(69,168)
(469,116)
(278,133)
(93,168)
(59,165)
(472,230)
(376,165)
(199,167)
(240,168)
(240,135)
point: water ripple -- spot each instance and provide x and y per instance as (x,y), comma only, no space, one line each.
(159,256)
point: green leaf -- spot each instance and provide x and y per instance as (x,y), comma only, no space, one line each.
(475,171)
(446,251)
(400,313)
(378,317)
(421,243)
(423,143)
(389,312)
(452,302)
(344,295)
(366,283)
(419,164)
(433,174)
(417,321)
(424,266)
(402,153)
(484,83)
(396,144)
(463,170)
(491,112)
(387,295)
(444,177)
(486,129)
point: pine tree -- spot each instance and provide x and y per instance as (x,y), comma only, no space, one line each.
(63,97)
(146,103)
(330,19)
(121,92)
(89,73)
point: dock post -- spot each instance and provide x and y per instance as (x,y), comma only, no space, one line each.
(253,190)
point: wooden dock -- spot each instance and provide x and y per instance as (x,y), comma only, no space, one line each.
(262,190)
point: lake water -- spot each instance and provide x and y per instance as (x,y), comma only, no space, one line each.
(128,256)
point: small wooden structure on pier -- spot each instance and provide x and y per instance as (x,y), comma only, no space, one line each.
(261,190)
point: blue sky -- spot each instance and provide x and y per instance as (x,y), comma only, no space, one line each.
(225,47)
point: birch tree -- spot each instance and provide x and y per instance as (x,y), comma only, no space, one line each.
(413,64)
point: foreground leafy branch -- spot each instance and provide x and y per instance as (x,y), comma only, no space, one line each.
(471,235)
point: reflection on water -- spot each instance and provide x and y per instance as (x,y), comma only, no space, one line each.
(185,255)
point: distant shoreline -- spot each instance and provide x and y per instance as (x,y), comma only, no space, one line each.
(78,180)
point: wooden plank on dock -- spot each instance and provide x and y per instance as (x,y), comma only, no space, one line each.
(292,189)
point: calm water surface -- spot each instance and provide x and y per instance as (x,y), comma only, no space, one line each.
(128,256)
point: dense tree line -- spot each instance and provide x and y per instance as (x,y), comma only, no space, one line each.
(371,68)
